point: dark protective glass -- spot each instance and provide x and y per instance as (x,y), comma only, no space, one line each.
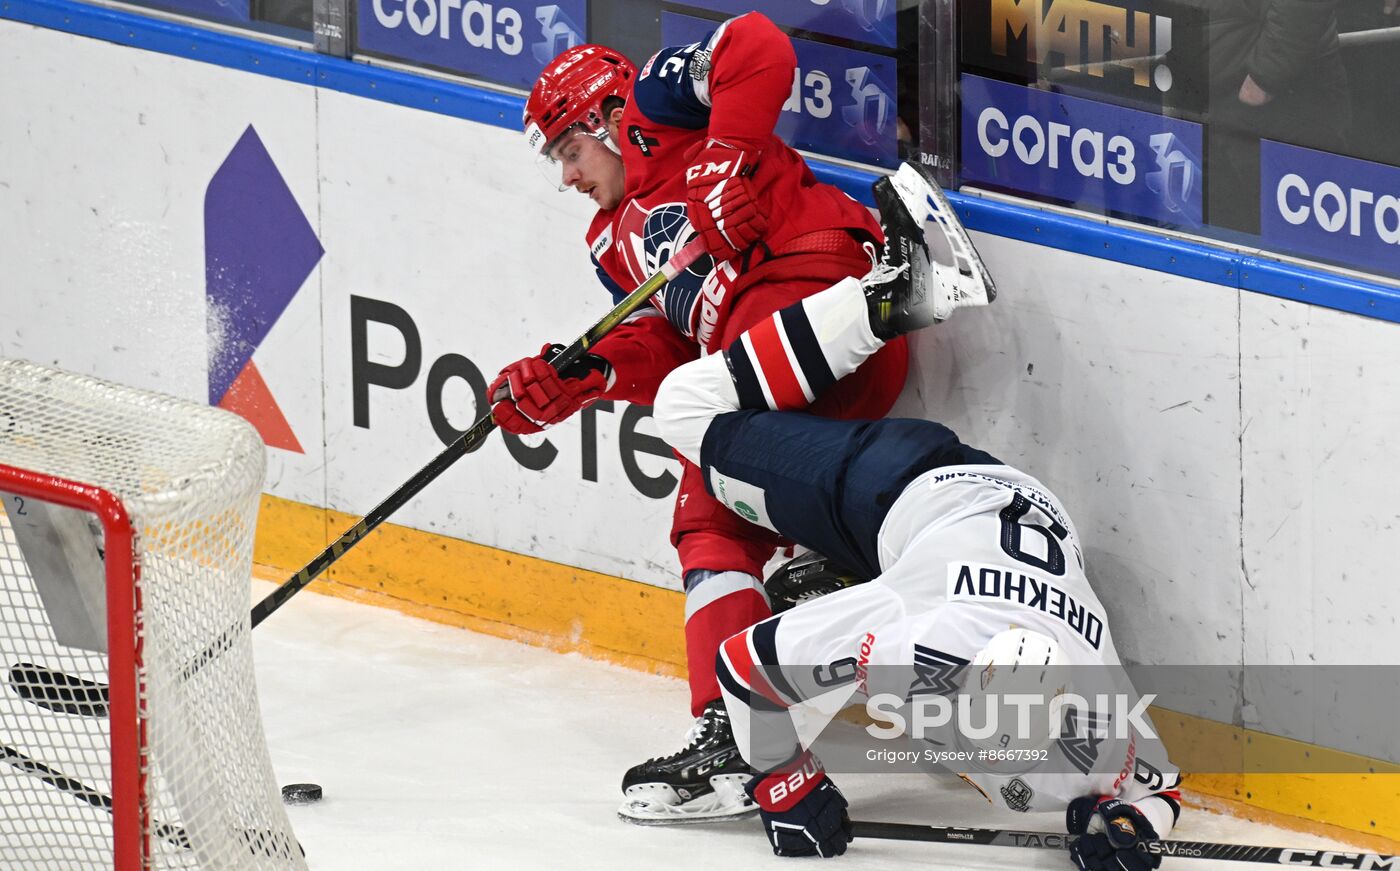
(1264,123)
(1269,124)
(285,19)
(854,97)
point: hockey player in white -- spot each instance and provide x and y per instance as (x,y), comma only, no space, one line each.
(974,561)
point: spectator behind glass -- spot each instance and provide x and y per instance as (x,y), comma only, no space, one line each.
(1272,69)
(1370,37)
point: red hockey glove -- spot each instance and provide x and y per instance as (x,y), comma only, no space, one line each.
(803,812)
(530,394)
(1112,835)
(721,199)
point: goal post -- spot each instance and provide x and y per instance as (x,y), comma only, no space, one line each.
(126,542)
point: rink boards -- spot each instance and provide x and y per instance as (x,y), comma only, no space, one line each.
(1223,450)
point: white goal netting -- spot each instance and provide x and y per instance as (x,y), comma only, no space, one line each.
(189,478)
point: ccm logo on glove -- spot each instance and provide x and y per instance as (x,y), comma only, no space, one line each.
(698,170)
(721,199)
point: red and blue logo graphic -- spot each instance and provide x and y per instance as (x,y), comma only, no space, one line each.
(258,251)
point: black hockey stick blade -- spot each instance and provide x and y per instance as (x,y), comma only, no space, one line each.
(1061,841)
(258,841)
(82,792)
(59,692)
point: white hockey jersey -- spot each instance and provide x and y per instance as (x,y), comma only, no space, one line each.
(965,552)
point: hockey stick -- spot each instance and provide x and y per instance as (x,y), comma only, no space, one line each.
(57,691)
(81,791)
(258,841)
(62,688)
(471,439)
(1182,849)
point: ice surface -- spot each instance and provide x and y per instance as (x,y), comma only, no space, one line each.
(440,748)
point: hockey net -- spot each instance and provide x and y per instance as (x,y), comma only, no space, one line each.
(125,553)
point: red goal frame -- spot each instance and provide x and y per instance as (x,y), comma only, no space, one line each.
(130,803)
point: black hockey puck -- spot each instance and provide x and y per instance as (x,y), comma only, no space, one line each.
(301,793)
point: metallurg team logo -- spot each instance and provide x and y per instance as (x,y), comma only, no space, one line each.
(935,673)
(258,251)
(1082,734)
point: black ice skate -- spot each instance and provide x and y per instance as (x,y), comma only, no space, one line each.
(807,576)
(910,289)
(702,783)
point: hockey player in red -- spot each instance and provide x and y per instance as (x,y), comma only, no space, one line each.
(685,147)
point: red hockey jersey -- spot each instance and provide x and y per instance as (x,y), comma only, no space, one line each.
(729,86)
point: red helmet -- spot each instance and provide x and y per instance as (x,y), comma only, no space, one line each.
(571,90)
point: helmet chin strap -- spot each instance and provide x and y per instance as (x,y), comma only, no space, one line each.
(611,143)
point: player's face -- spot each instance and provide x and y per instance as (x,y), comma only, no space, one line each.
(590,167)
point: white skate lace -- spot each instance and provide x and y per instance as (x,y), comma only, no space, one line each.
(692,737)
(882,273)
(872,251)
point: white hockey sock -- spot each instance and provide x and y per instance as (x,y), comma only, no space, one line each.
(785,361)
(689,398)
(781,363)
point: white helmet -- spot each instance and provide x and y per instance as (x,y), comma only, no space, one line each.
(1015,663)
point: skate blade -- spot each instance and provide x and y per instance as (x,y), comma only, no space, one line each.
(681,819)
(727,802)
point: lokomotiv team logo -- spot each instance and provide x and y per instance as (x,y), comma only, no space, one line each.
(646,238)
